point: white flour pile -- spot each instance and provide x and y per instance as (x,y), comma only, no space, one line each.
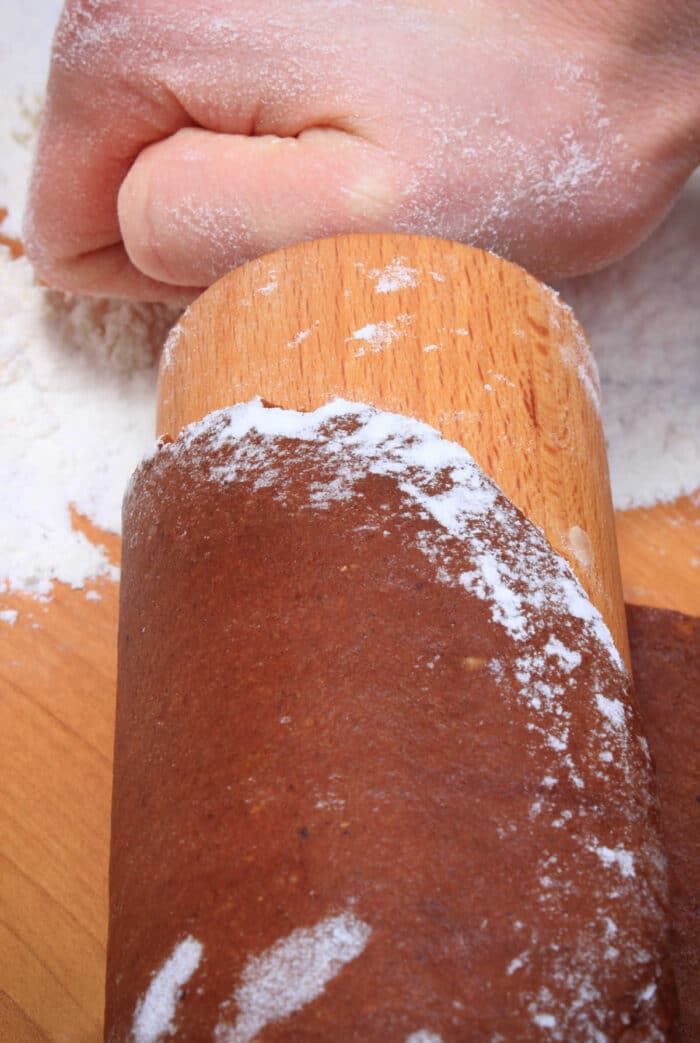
(77,377)
(77,394)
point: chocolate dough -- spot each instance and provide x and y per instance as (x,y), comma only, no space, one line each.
(378,772)
(666,665)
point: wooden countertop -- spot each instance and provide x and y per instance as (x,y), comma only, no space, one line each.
(57,684)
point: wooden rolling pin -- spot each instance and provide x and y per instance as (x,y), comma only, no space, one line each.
(378,771)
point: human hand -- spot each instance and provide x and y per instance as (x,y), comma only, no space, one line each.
(180,139)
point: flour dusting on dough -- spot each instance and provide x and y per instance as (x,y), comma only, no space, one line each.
(155,1012)
(291,973)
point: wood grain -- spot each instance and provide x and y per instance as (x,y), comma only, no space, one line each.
(57,685)
(660,554)
(440,331)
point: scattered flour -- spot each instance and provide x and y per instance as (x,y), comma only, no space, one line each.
(155,1012)
(377,335)
(269,287)
(9,616)
(300,337)
(568,658)
(424,1036)
(518,962)
(291,973)
(544,1021)
(613,709)
(168,353)
(624,860)
(395,276)
(77,401)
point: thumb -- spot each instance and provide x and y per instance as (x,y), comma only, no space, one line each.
(199,203)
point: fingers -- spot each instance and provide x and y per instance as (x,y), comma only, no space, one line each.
(124,201)
(71,228)
(128,75)
(94,125)
(109,273)
(199,203)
